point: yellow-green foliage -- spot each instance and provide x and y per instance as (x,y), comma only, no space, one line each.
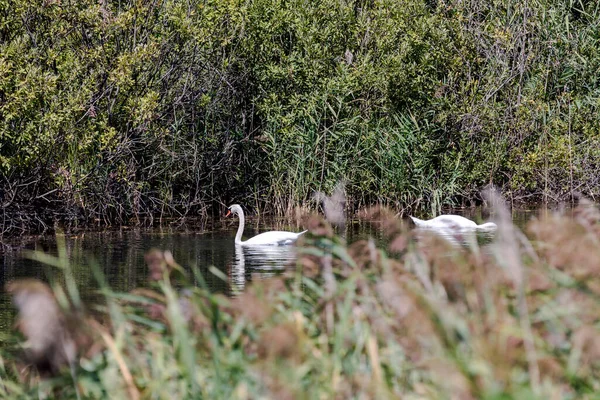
(411,102)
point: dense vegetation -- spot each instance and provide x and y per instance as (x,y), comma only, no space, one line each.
(112,110)
(412,319)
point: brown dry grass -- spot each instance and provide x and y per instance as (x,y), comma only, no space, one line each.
(419,318)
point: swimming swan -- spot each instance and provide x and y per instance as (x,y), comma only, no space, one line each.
(273,238)
(453,222)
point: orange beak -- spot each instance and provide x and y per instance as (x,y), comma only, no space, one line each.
(228,213)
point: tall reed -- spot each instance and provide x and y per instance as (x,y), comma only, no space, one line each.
(410,318)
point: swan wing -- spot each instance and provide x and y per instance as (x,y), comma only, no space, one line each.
(446,222)
(455,221)
(417,221)
(273,238)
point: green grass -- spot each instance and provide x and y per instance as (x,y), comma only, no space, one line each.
(411,319)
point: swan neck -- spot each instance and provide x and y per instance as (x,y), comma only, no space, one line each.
(240,231)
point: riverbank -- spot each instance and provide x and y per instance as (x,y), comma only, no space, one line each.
(123,113)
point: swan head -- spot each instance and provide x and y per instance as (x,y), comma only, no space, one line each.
(488,226)
(234,209)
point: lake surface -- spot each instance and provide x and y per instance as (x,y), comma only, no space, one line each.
(119,254)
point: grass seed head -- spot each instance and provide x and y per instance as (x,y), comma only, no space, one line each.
(50,345)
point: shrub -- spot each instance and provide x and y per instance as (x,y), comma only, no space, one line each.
(115,110)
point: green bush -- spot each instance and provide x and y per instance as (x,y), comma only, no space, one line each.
(113,110)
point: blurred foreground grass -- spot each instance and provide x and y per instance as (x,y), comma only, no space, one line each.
(417,320)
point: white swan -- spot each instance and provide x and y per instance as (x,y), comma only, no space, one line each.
(453,222)
(273,238)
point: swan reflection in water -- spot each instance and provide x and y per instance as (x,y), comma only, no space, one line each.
(466,238)
(258,262)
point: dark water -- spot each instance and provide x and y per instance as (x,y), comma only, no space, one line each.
(119,255)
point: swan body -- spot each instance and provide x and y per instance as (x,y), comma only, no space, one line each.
(272,238)
(453,222)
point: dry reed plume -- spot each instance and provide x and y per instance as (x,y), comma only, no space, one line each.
(412,319)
